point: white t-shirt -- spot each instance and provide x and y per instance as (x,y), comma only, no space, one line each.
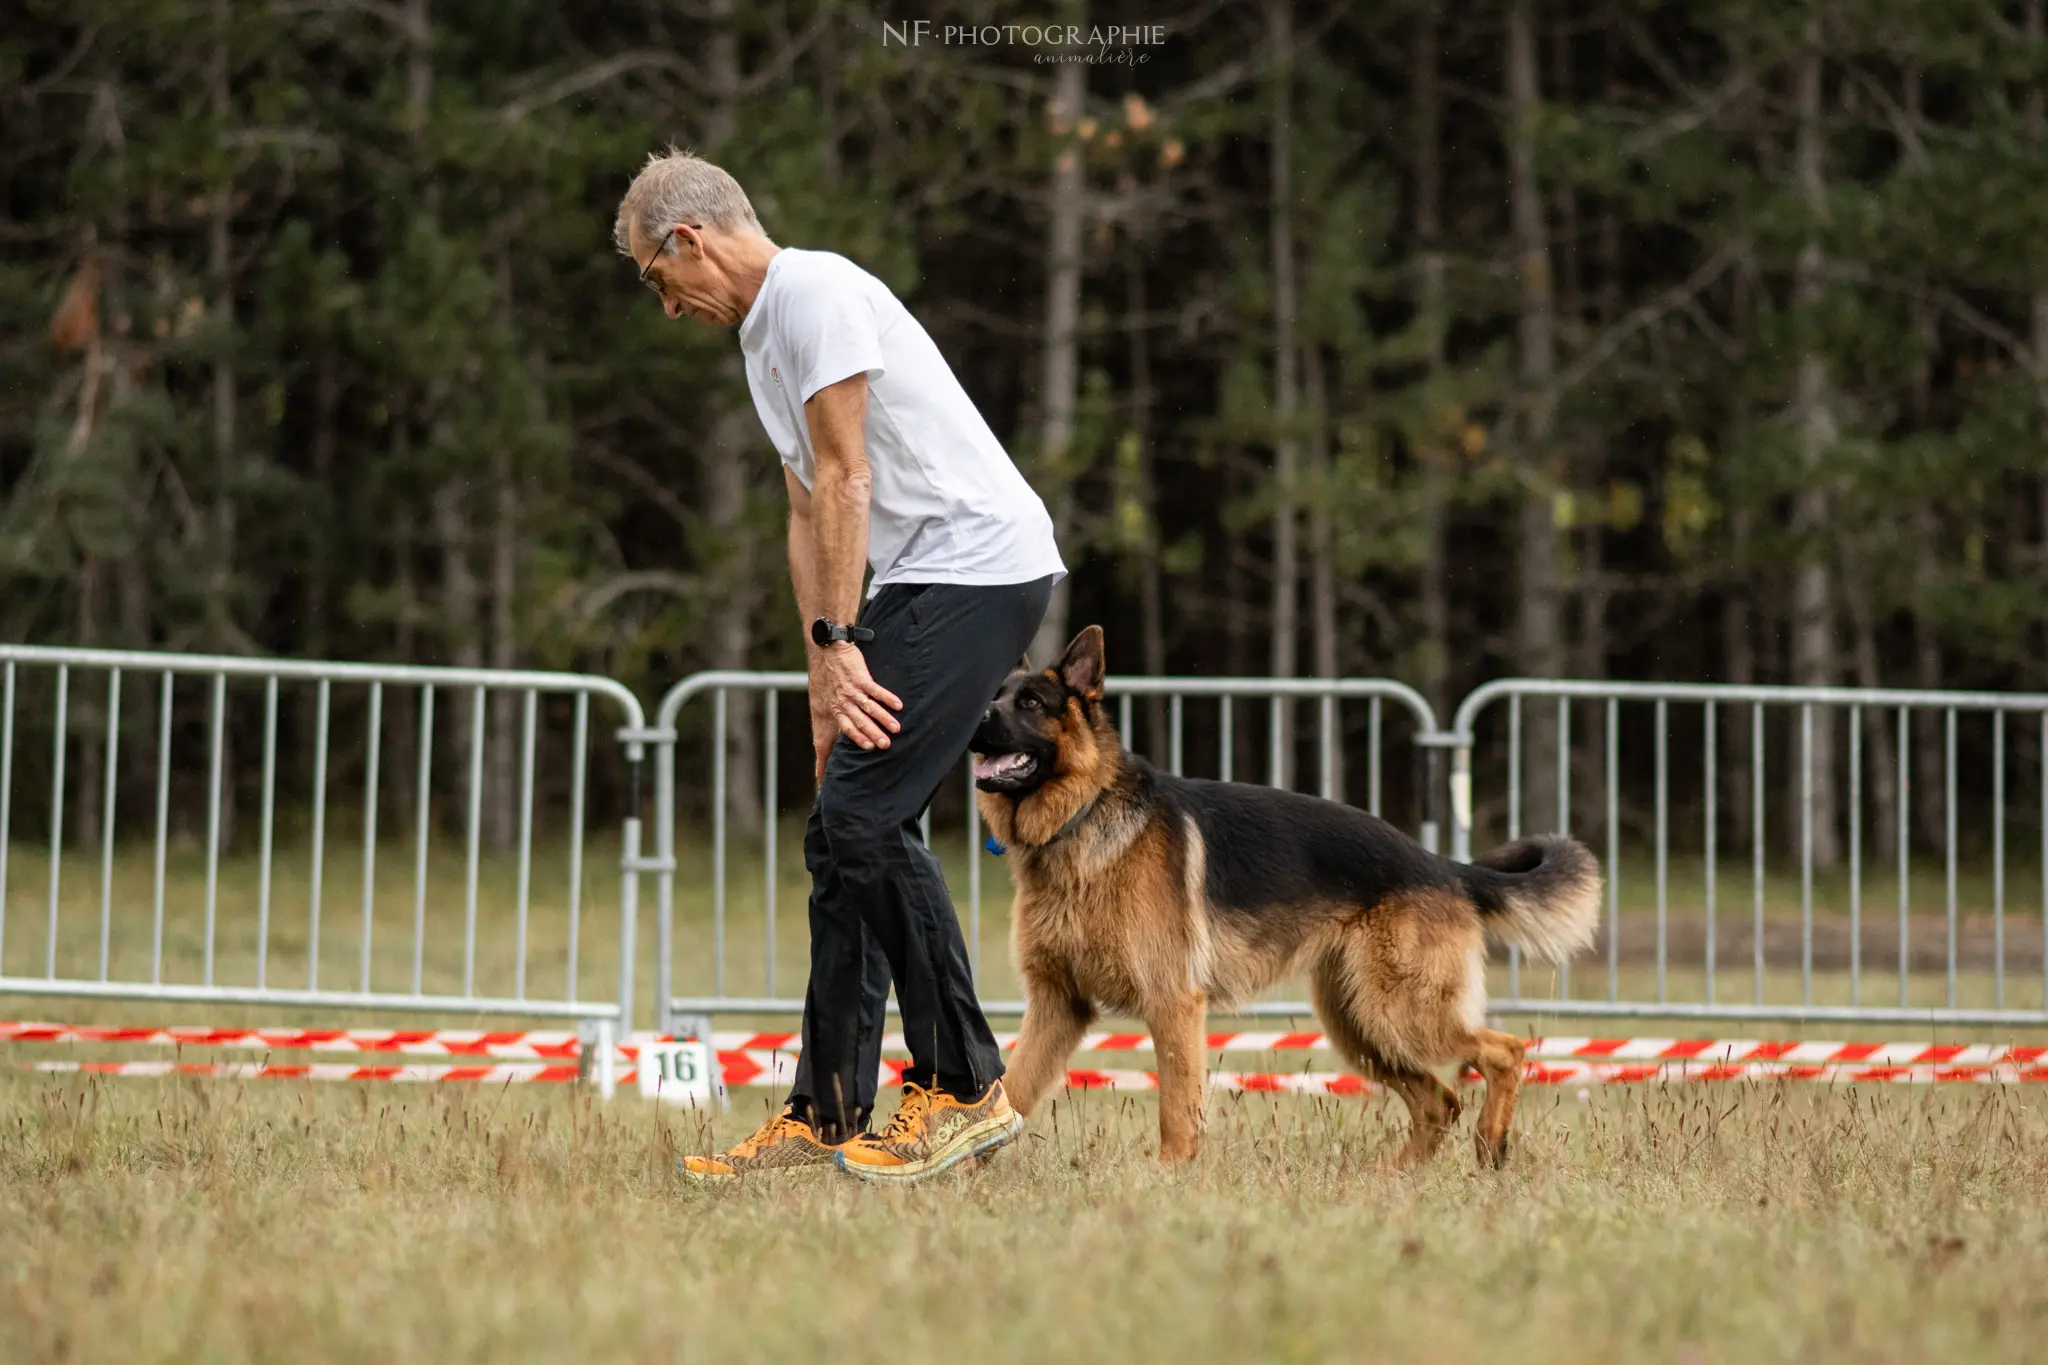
(947,505)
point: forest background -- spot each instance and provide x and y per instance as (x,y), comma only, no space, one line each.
(1628,339)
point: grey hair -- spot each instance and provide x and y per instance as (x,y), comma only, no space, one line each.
(679,187)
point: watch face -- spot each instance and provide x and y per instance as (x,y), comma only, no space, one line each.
(821,632)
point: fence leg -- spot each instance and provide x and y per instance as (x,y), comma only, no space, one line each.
(1461,802)
(1432,799)
(629,886)
(607,1059)
(664,881)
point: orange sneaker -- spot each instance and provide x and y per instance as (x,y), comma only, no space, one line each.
(930,1132)
(785,1145)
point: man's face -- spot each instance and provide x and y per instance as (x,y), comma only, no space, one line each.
(688,279)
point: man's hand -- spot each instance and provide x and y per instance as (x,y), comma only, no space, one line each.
(846,700)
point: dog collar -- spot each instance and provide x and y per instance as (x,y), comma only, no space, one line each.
(1073,822)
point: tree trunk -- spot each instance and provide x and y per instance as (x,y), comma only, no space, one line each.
(449,755)
(1286,584)
(728,461)
(729,457)
(1237,634)
(506,724)
(1151,593)
(2037,33)
(1538,636)
(88,714)
(77,325)
(1060,360)
(320,547)
(1738,639)
(1584,456)
(1880,769)
(1738,610)
(1596,595)
(1437,449)
(1929,738)
(1813,643)
(220,269)
(1928,756)
(402,721)
(220,266)
(112,359)
(1569,260)
(419,76)
(1322,573)
(461,600)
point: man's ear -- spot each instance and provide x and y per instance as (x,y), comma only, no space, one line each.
(1081,667)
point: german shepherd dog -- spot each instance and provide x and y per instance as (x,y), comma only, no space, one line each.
(1144,894)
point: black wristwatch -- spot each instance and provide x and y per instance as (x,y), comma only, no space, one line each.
(824,632)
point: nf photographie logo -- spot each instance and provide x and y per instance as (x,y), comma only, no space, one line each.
(1102,43)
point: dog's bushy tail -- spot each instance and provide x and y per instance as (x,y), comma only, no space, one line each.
(1540,894)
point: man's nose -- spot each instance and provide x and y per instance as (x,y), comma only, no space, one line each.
(671,307)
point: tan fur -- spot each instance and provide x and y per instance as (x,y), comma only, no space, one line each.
(1112,916)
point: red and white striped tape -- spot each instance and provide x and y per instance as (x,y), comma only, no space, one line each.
(530,1045)
(742,1070)
(1732,1051)
(768,1059)
(502,1074)
(1744,1052)
(755,1067)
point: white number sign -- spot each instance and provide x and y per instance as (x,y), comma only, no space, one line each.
(679,1073)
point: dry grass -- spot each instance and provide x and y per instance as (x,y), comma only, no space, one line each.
(146,1220)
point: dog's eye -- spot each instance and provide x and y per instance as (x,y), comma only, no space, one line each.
(1029,701)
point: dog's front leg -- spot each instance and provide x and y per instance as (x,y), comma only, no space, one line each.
(1054,1021)
(1180,1044)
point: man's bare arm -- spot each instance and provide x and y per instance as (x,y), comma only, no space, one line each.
(803,544)
(828,538)
(840,490)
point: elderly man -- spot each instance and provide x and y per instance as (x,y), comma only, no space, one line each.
(887,461)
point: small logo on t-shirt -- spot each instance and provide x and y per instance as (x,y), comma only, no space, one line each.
(775,375)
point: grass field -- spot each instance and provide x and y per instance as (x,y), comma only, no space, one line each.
(147,1220)
(204,1220)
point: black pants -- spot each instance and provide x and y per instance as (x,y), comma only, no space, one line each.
(879,907)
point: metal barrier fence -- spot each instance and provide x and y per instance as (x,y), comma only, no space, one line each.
(1202,722)
(1851,760)
(1822,933)
(174,941)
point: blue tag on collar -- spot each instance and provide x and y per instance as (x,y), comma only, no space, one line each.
(992,846)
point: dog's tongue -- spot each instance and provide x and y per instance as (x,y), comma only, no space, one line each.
(994,765)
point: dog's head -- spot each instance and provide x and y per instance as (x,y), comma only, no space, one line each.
(1041,721)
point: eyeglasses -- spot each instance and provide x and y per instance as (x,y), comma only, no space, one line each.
(659,247)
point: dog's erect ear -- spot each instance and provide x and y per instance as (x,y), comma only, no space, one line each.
(1023,663)
(1081,667)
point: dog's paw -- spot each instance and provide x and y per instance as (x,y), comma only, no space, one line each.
(1493,1155)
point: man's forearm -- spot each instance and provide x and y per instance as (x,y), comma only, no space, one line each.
(828,555)
(803,574)
(839,496)
(839,524)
